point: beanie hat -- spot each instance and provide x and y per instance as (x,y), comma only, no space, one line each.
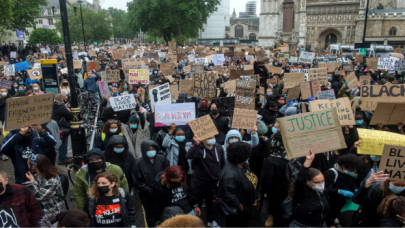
(133,119)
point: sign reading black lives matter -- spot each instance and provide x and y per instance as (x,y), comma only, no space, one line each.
(306,57)
(204,85)
(122,102)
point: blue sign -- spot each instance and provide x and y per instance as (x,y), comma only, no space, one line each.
(20,34)
(22,66)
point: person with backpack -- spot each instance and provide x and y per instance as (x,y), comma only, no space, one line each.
(310,200)
(207,162)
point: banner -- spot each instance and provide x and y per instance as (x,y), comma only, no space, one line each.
(180,114)
(319,131)
(136,76)
(121,103)
(372,141)
(392,162)
(160,95)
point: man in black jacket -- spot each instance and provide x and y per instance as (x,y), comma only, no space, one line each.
(62,116)
(147,167)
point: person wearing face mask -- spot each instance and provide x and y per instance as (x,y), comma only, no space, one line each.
(203,108)
(177,146)
(341,184)
(310,194)
(234,136)
(392,211)
(20,91)
(208,159)
(14,89)
(353,135)
(270,112)
(146,169)
(45,184)
(345,91)
(36,89)
(124,88)
(117,153)
(110,128)
(28,91)
(94,164)
(238,184)
(137,130)
(109,205)
(20,144)
(65,88)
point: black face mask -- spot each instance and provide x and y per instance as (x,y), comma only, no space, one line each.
(214,111)
(96,165)
(65,84)
(103,189)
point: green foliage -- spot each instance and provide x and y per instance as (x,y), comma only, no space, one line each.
(20,14)
(44,36)
(120,29)
(170,18)
(98,30)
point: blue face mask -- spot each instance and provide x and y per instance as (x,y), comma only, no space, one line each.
(347,90)
(20,83)
(125,87)
(329,79)
(275,64)
(133,126)
(274,130)
(354,69)
(21,91)
(359,122)
(348,172)
(395,189)
(115,94)
(180,138)
(375,158)
(117,150)
(155,72)
(151,154)
(133,112)
(109,86)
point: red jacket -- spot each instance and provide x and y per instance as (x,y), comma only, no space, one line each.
(24,205)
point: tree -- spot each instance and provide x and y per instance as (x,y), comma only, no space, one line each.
(44,36)
(97,25)
(120,28)
(177,18)
(20,14)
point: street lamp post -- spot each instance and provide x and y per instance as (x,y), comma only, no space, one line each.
(81,13)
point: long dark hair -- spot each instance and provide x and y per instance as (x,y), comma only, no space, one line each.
(45,167)
(73,218)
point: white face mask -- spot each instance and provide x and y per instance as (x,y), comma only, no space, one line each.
(318,188)
(4,94)
(35,88)
(211,142)
(233,140)
(113,130)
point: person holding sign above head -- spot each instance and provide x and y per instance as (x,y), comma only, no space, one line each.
(208,159)
(110,128)
(90,84)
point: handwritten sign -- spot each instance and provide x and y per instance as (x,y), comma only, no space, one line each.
(121,103)
(372,94)
(28,109)
(392,162)
(112,75)
(9,70)
(198,68)
(331,66)
(260,54)
(137,75)
(174,92)
(103,88)
(344,109)
(7,84)
(320,74)
(389,113)
(245,94)
(35,74)
(365,80)
(203,127)
(22,66)
(319,131)
(309,89)
(293,79)
(274,69)
(225,105)
(204,84)
(180,114)
(306,57)
(326,95)
(93,66)
(186,86)
(372,141)
(160,95)
(128,64)
(244,119)
(294,93)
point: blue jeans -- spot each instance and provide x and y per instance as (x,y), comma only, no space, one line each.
(63,148)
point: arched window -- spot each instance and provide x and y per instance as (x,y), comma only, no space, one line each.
(252,36)
(238,31)
(393,31)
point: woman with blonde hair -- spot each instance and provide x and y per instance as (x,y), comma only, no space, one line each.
(109,205)
(65,87)
(36,90)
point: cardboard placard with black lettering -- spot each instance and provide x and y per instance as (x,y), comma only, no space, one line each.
(344,109)
(203,127)
(365,80)
(392,162)
(370,95)
(273,80)
(326,95)
(293,79)
(186,86)
(225,105)
(244,119)
(294,93)
(204,84)
(112,75)
(245,94)
(318,74)
(309,89)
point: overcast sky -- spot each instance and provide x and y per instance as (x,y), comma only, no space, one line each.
(239,5)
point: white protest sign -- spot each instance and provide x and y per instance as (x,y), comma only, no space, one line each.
(13,54)
(75,55)
(387,63)
(218,60)
(160,95)
(122,102)
(201,61)
(306,57)
(36,65)
(326,94)
(191,57)
(180,114)
(9,70)
(400,65)
(43,51)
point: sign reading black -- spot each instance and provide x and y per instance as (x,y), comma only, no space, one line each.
(225,105)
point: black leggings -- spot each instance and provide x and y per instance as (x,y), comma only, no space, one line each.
(151,206)
(205,191)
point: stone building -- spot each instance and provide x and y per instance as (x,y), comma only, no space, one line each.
(318,23)
(246,29)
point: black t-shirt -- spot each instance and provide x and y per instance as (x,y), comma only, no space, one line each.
(108,212)
(179,198)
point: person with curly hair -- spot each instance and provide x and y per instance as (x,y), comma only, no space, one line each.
(392,209)
(110,128)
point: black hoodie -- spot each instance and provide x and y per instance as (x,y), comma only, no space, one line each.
(124,160)
(91,174)
(145,171)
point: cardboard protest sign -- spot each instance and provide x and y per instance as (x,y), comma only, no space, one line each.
(128,64)
(350,77)
(274,69)
(389,113)
(353,83)
(244,119)
(319,131)
(95,65)
(348,68)
(245,94)
(28,109)
(186,86)
(309,89)
(360,58)
(230,86)
(331,66)
(294,93)
(293,79)
(174,92)
(370,95)
(397,55)
(180,114)
(137,75)
(77,64)
(103,88)
(248,67)
(112,75)
(204,84)
(392,162)
(273,80)
(101,57)
(225,105)
(9,70)
(372,63)
(21,66)
(35,74)
(203,127)
(198,68)
(326,95)
(168,71)
(260,54)
(372,141)
(365,80)
(387,63)
(7,84)
(319,74)
(121,103)
(160,95)
(345,112)
(306,57)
